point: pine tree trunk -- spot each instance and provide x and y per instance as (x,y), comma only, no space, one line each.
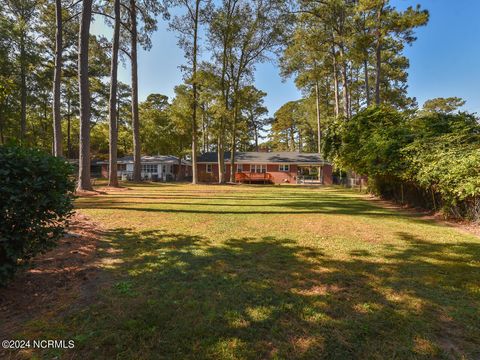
(207,143)
(68,96)
(354,80)
(367,86)
(292,139)
(232,159)
(378,54)
(221,134)
(221,137)
(378,57)
(233,147)
(23,90)
(221,160)
(84,150)
(195,100)
(346,105)
(57,79)
(137,168)
(231,175)
(2,139)
(335,83)
(69,130)
(319,130)
(204,132)
(179,172)
(112,172)
(327,95)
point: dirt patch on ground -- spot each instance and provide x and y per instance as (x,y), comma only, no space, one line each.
(66,275)
(88,193)
(105,190)
(109,189)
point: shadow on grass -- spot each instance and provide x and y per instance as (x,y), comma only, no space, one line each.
(333,205)
(330,201)
(182,296)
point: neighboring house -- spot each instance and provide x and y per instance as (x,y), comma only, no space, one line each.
(266,167)
(158,167)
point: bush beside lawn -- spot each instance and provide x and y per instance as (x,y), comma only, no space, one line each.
(36,199)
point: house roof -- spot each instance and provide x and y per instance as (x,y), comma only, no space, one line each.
(276,157)
(154,159)
(92,161)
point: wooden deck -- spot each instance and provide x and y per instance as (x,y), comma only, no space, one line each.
(249,177)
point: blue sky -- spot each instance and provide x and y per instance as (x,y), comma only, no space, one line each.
(444,61)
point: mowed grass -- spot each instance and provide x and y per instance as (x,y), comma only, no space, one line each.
(273,272)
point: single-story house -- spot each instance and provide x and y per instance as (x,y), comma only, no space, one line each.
(267,167)
(157,167)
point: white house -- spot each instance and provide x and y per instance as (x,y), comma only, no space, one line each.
(156,168)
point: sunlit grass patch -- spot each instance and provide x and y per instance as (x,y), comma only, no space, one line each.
(282,272)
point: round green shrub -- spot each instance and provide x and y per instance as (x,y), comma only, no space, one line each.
(36,200)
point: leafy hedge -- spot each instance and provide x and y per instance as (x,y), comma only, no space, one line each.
(445,158)
(36,200)
(430,160)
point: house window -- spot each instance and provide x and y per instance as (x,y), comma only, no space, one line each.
(239,167)
(121,167)
(258,168)
(283,167)
(164,169)
(209,168)
(149,168)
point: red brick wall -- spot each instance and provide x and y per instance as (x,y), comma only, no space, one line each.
(283,177)
(246,167)
(279,177)
(203,176)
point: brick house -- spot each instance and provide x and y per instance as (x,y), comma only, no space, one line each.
(265,167)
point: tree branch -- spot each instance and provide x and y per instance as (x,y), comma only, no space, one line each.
(126,53)
(73,4)
(111,17)
(71,17)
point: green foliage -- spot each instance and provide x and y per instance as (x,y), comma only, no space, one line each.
(294,127)
(372,142)
(166,127)
(253,117)
(340,45)
(27,42)
(445,157)
(36,200)
(332,139)
(434,156)
(443,105)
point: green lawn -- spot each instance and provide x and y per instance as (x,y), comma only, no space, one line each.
(280,272)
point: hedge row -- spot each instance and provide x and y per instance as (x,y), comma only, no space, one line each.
(425,159)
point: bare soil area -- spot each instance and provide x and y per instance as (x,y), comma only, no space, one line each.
(55,280)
